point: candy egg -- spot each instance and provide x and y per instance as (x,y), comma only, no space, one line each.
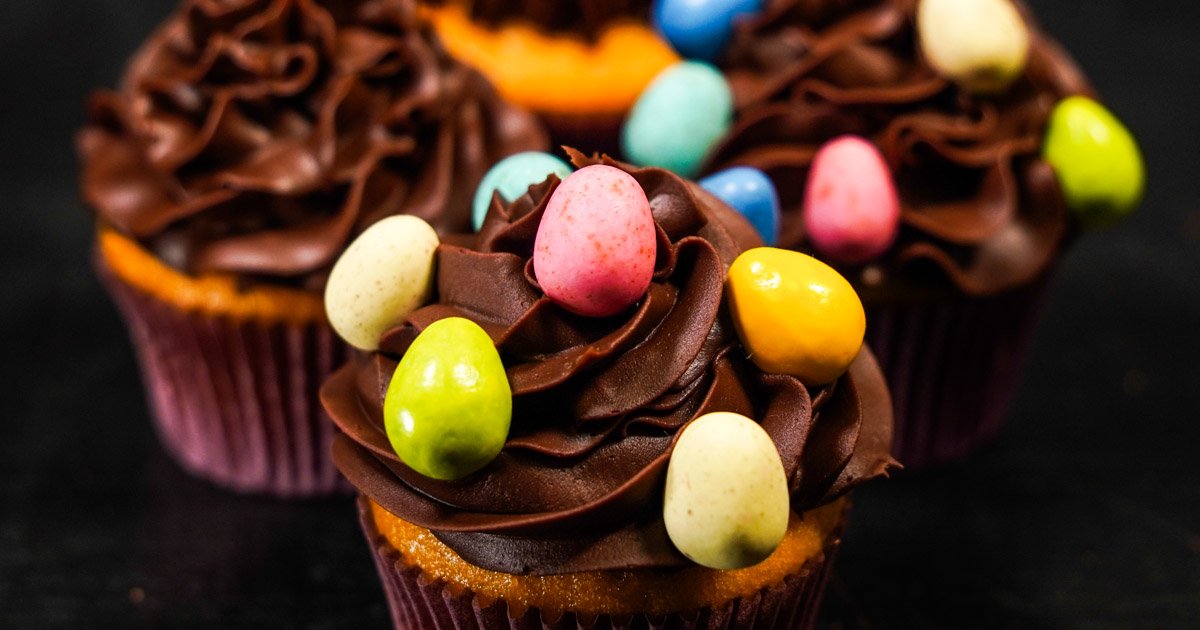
(979,44)
(384,275)
(1096,159)
(851,209)
(700,29)
(795,314)
(595,248)
(448,406)
(750,192)
(512,177)
(679,118)
(726,501)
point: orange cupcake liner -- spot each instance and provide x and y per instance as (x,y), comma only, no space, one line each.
(417,602)
(232,391)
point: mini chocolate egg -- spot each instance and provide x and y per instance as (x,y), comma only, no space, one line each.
(700,29)
(448,406)
(383,275)
(1096,159)
(726,501)
(795,314)
(750,192)
(679,118)
(512,177)
(979,44)
(595,248)
(851,208)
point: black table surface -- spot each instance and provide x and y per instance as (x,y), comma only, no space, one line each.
(1085,512)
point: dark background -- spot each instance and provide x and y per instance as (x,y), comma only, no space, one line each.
(1086,512)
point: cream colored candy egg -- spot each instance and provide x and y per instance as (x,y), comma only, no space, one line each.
(385,274)
(979,44)
(726,503)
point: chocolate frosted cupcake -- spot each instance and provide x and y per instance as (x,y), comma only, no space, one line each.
(248,143)
(975,115)
(609,451)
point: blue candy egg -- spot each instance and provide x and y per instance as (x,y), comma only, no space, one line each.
(700,29)
(512,177)
(750,192)
(679,118)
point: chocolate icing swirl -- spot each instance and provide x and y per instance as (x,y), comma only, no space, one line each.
(587,18)
(258,136)
(978,203)
(597,403)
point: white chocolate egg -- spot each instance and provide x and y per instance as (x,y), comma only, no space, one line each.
(385,274)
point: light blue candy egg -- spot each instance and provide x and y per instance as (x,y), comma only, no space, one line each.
(700,29)
(512,177)
(750,192)
(679,118)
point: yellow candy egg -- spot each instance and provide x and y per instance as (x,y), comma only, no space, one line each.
(795,314)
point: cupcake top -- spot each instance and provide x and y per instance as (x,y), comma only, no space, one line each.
(257,137)
(978,201)
(597,401)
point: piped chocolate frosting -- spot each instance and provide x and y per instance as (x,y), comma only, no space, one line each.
(598,402)
(257,137)
(980,208)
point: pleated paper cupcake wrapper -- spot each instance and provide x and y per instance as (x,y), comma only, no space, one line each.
(953,367)
(417,603)
(235,402)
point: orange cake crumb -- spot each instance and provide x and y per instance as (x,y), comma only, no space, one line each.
(612,592)
(557,75)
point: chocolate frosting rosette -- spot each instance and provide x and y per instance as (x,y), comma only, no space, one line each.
(940,153)
(569,522)
(977,199)
(249,142)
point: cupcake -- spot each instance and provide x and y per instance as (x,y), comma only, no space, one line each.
(578,65)
(575,428)
(249,142)
(940,153)
(936,153)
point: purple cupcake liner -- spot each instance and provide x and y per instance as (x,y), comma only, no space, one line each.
(235,402)
(416,603)
(953,367)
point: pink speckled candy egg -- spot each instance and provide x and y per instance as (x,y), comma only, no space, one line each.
(851,209)
(595,248)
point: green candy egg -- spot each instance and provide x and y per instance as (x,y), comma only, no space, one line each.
(448,406)
(1096,159)
(679,118)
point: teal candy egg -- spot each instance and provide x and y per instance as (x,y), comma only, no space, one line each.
(1096,159)
(512,177)
(679,118)
(448,406)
